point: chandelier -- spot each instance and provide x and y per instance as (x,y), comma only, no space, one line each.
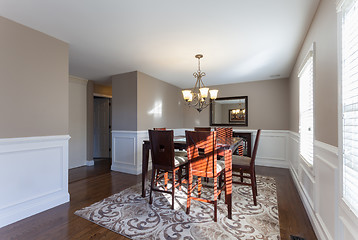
(198,96)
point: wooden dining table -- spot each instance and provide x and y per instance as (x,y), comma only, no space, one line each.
(180,143)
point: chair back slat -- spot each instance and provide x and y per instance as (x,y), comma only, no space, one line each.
(162,148)
(254,152)
(224,135)
(201,148)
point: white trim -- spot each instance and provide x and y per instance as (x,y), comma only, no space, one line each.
(348,219)
(90,162)
(101,95)
(78,80)
(34,176)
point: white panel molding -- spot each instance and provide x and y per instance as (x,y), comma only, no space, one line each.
(33,176)
(326,191)
(348,222)
(325,179)
(272,150)
(308,190)
(124,152)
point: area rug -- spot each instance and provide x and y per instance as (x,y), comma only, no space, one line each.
(130,215)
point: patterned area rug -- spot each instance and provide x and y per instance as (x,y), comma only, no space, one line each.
(128,214)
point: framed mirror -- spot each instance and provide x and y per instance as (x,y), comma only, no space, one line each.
(229,111)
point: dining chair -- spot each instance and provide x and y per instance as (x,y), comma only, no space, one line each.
(246,165)
(202,162)
(202,128)
(164,161)
(224,135)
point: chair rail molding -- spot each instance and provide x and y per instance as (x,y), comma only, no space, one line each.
(33,176)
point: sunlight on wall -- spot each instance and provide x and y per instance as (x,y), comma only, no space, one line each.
(157,110)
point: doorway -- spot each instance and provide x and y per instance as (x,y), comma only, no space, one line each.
(102,126)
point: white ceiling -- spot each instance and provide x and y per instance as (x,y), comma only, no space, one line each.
(241,40)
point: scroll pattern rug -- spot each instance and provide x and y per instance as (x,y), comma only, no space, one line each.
(128,214)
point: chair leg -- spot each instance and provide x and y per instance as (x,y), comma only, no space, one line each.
(166,181)
(157,177)
(152,185)
(199,187)
(241,175)
(220,185)
(255,181)
(179,177)
(190,182)
(215,200)
(173,189)
(254,193)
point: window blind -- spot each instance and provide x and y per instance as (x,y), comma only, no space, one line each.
(306,109)
(350,104)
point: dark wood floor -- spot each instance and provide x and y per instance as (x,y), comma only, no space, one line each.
(91,184)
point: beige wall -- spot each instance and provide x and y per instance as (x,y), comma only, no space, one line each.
(124,101)
(323,32)
(159,104)
(77,152)
(268,104)
(102,90)
(34,82)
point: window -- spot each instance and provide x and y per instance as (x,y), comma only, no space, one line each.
(350,103)
(306,107)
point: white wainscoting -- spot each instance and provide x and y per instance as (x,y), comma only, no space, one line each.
(127,149)
(272,150)
(33,176)
(317,185)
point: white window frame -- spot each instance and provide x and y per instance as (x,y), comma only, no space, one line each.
(310,55)
(352,211)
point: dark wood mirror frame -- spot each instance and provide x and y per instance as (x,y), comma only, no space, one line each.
(230,122)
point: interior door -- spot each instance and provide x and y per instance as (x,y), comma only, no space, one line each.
(102,125)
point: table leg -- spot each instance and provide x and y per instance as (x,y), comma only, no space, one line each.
(228,181)
(145,159)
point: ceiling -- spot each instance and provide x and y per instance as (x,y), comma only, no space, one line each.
(241,40)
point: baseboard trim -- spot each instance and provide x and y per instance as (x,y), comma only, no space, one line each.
(89,162)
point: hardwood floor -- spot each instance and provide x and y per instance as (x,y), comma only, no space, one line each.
(91,184)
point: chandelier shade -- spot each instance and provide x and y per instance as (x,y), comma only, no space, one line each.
(198,96)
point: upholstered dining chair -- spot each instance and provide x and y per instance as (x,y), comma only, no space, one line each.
(246,165)
(202,162)
(202,129)
(164,160)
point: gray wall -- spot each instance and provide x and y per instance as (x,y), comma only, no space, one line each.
(268,103)
(323,31)
(90,120)
(77,152)
(124,101)
(34,93)
(159,104)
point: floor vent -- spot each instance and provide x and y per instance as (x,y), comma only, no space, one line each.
(296,238)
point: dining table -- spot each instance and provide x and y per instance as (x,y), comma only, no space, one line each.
(180,144)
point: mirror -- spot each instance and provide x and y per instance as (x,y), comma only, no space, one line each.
(229,111)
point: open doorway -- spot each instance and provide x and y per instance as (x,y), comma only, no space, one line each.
(102,127)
